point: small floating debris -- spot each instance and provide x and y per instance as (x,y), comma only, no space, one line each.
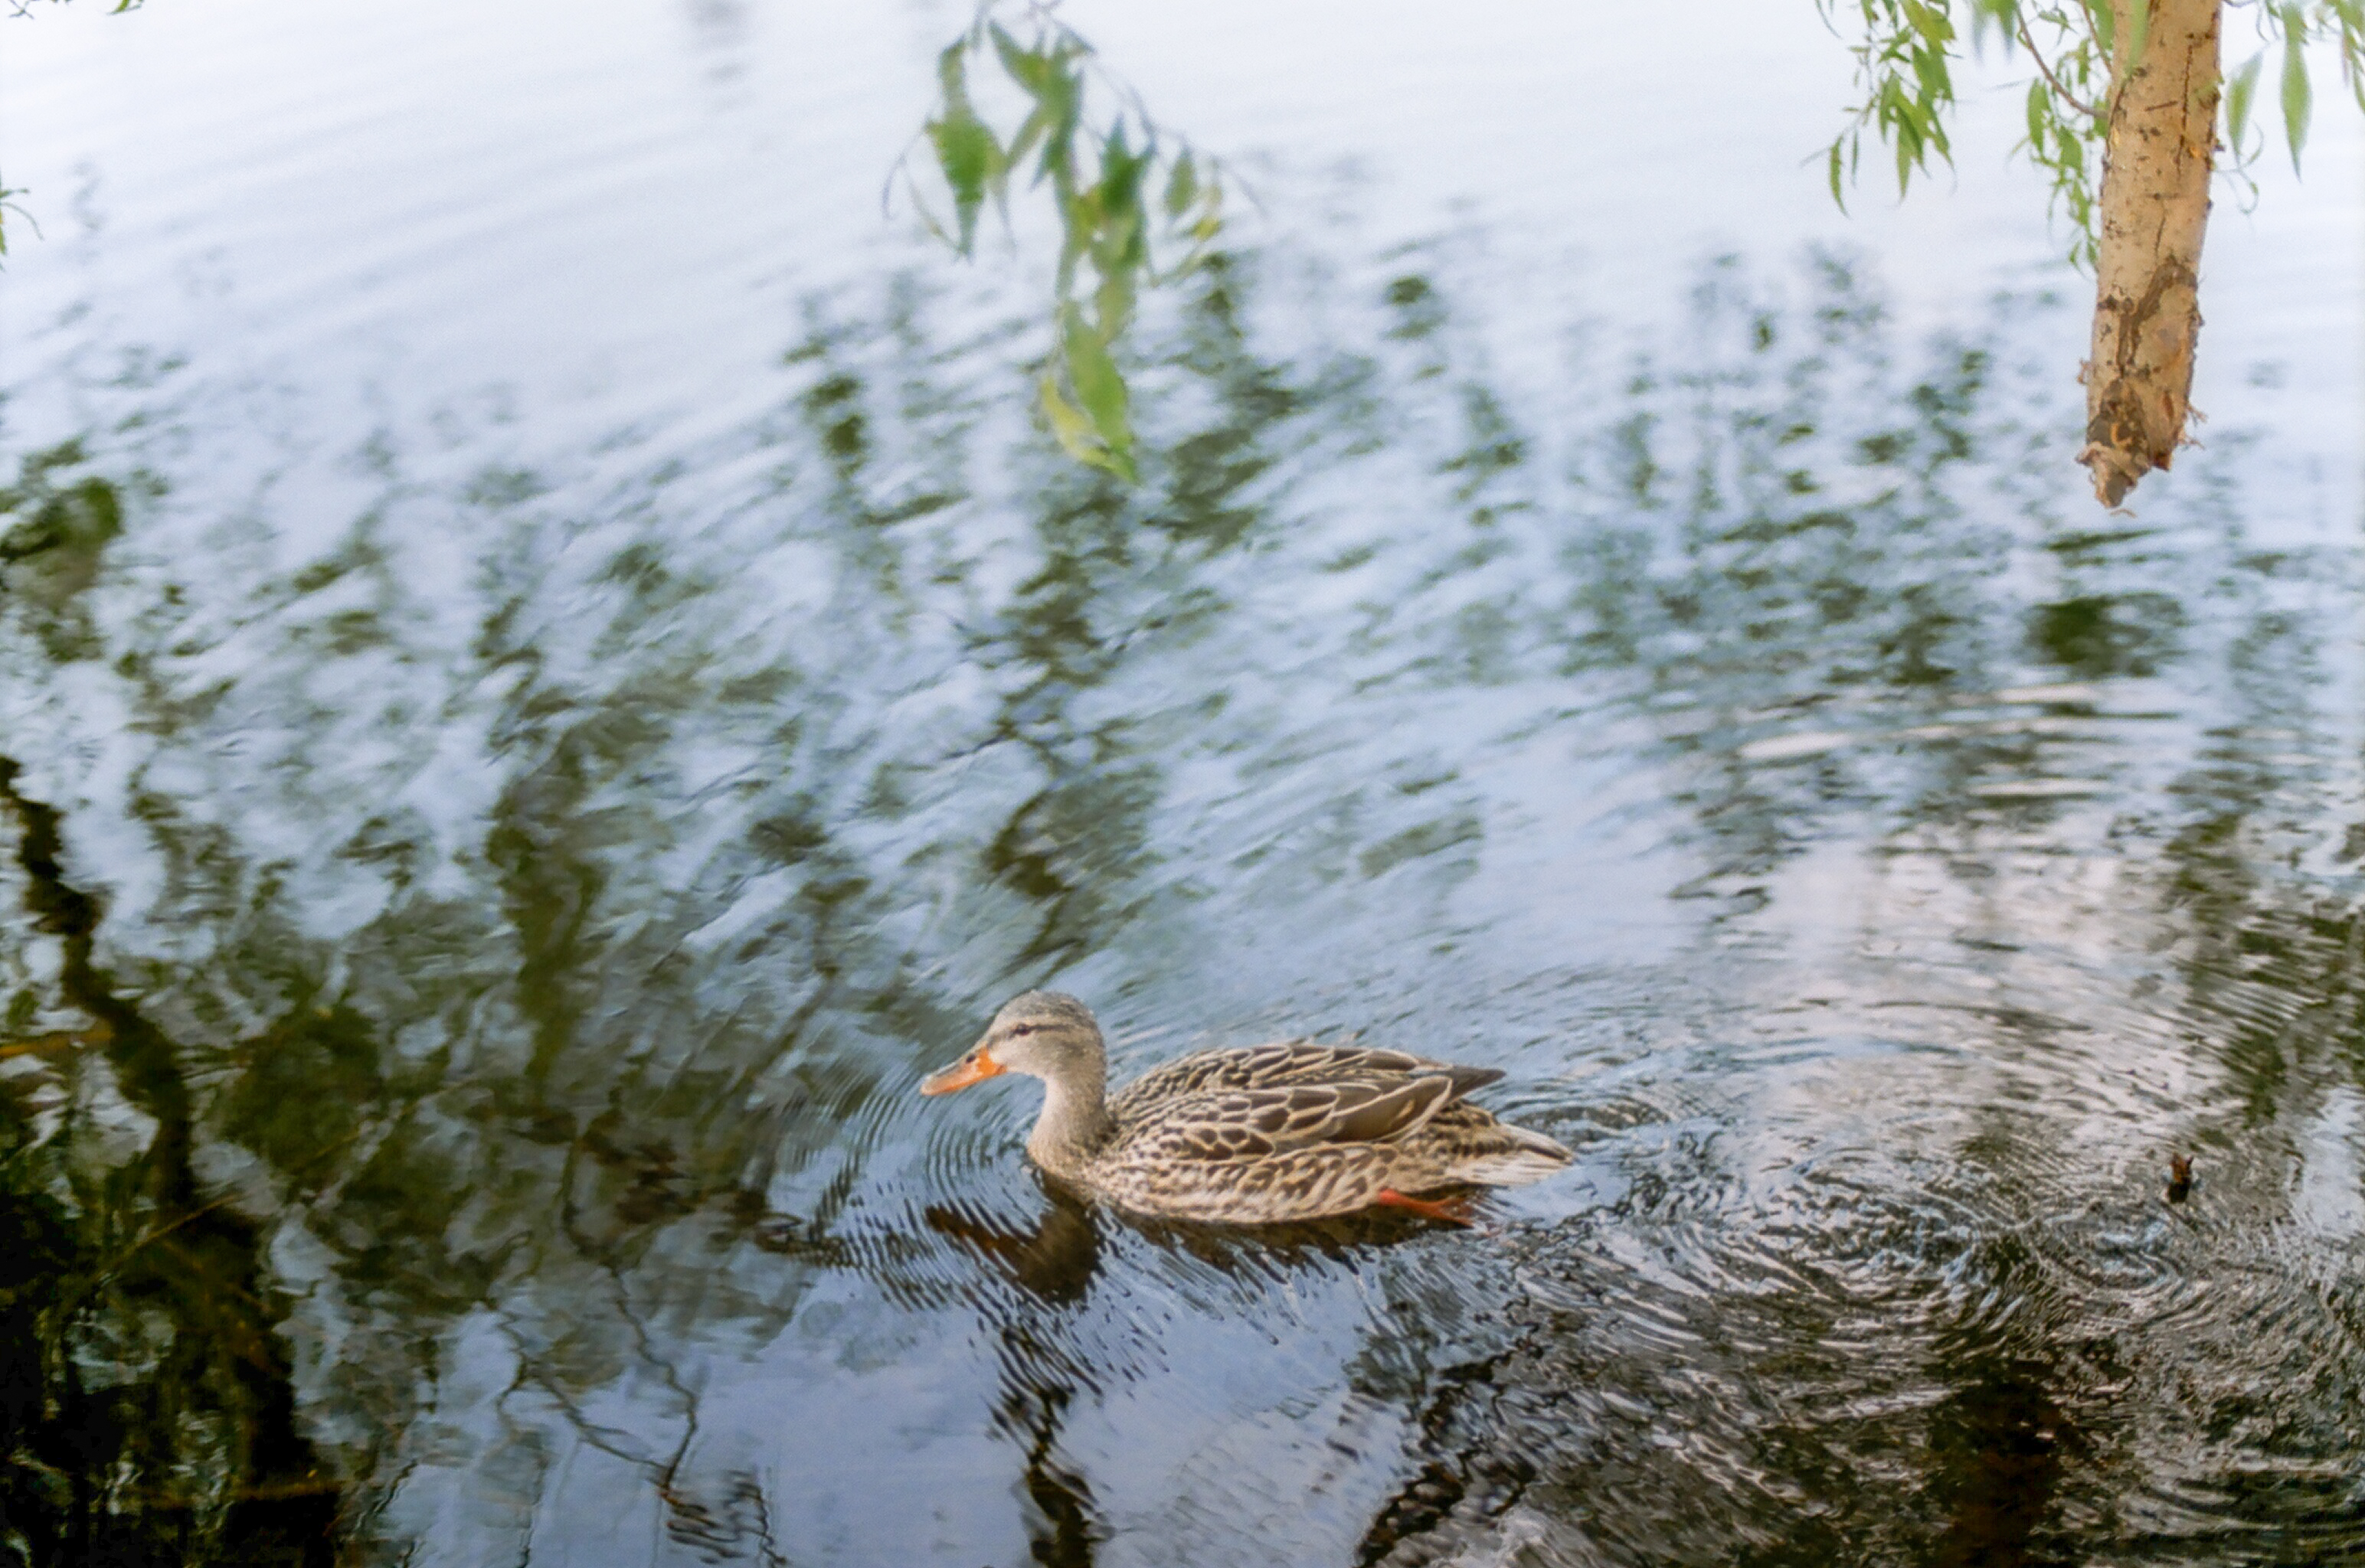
(2179,1178)
(1791,748)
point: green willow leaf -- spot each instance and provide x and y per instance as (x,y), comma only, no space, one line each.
(1181,186)
(1029,68)
(1121,171)
(971,159)
(1099,387)
(966,152)
(1930,69)
(1929,21)
(2297,97)
(2239,91)
(1070,429)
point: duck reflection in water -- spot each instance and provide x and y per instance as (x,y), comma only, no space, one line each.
(1054,1265)
(1292,1130)
(1054,1262)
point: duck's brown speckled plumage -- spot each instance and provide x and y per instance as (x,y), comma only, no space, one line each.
(1292,1130)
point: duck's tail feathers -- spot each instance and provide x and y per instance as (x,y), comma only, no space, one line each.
(1517,1158)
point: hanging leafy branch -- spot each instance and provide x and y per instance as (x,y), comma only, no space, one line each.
(1905,52)
(1100,166)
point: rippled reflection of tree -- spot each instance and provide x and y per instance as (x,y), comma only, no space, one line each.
(604,1055)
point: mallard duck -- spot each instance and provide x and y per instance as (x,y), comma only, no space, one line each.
(1287,1131)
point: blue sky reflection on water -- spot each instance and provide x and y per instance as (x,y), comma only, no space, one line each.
(599,683)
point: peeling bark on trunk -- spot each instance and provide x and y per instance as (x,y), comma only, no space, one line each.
(2161,139)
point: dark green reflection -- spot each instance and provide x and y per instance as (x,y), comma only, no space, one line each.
(148,1408)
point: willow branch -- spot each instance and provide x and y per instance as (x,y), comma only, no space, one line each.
(2064,93)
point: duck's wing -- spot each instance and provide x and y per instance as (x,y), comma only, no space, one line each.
(1285,1064)
(1257,1124)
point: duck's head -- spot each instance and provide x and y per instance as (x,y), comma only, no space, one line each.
(1041,1033)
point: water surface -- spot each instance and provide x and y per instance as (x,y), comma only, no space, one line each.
(492,858)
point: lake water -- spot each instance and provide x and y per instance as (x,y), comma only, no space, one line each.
(548,674)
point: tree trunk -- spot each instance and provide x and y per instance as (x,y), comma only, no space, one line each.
(2161,139)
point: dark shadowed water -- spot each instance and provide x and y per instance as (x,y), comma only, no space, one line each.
(487,876)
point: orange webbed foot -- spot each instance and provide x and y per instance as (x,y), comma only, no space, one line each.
(1454,1210)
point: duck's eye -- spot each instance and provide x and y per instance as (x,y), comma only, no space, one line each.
(1021,1028)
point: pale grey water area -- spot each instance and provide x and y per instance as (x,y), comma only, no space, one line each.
(548,674)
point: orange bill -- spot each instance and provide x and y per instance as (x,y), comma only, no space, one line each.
(974,1067)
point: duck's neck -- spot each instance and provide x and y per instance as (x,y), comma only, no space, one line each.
(1075,1121)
